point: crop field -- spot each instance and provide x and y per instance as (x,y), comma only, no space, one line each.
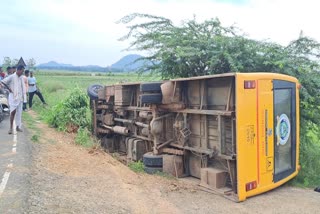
(56,85)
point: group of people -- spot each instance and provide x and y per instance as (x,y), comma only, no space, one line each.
(20,83)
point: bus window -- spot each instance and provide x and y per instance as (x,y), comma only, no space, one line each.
(285,136)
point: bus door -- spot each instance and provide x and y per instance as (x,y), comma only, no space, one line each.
(284,120)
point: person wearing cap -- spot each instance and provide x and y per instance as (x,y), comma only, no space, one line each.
(14,83)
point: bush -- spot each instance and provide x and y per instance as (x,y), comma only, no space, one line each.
(309,156)
(71,113)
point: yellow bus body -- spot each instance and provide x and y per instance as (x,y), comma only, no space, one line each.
(255,157)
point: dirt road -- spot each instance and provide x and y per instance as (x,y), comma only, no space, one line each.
(66,178)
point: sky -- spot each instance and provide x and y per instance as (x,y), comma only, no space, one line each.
(85,32)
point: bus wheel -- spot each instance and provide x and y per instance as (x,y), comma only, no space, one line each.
(93,91)
(151,98)
(151,87)
(151,160)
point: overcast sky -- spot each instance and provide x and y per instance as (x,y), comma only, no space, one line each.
(84,32)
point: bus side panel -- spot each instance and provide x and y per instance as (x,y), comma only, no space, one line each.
(247,134)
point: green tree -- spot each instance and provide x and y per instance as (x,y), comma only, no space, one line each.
(31,64)
(14,62)
(6,62)
(193,49)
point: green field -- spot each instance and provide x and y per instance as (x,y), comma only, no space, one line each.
(68,103)
(56,85)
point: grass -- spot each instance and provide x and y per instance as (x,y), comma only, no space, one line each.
(30,122)
(136,166)
(165,175)
(56,85)
(31,125)
(35,138)
(83,138)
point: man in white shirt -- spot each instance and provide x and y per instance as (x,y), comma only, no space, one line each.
(17,96)
(32,82)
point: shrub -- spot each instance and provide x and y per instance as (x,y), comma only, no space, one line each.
(309,156)
(71,113)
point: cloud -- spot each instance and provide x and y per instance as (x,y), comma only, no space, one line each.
(68,30)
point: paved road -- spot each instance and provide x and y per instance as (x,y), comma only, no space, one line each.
(15,161)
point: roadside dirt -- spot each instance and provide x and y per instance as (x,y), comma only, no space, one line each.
(67,178)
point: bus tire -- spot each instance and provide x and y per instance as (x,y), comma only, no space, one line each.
(151,98)
(150,87)
(92,91)
(151,160)
(152,170)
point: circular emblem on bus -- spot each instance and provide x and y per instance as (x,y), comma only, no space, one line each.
(283,129)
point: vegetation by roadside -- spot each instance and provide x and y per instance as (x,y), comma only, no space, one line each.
(136,166)
(30,123)
(68,104)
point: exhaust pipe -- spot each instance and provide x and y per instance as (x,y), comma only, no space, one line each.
(118,129)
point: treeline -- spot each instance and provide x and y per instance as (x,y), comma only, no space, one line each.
(81,68)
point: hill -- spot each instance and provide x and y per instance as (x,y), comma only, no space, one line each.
(53,64)
(126,63)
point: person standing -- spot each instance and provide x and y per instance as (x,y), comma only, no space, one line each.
(17,96)
(2,74)
(9,71)
(13,69)
(25,81)
(33,89)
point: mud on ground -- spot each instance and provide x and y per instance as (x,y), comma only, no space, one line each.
(67,178)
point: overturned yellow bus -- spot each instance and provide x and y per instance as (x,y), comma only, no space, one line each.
(238,133)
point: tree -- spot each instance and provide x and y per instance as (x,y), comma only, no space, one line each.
(6,62)
(14,62)
(31,63)
(194,49)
